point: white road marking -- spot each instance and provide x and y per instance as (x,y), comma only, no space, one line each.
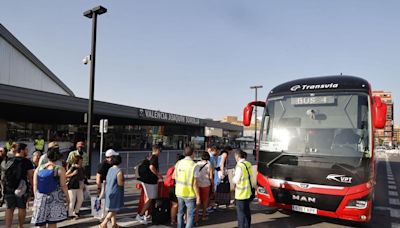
(393,193)
(392,187)
(393,201)
(382,208)
(394,213)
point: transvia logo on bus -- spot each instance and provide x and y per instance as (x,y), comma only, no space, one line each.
(314,87)
(339,178)
(304,198)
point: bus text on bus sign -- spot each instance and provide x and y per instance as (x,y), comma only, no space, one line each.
(312,100)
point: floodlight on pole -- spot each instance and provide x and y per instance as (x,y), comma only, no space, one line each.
(92,14)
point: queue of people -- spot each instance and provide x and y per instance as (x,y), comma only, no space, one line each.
(194,189)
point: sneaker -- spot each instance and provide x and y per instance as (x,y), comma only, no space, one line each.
(141,219)
(147,218)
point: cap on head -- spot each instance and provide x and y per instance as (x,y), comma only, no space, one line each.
(111,152)
(53,145)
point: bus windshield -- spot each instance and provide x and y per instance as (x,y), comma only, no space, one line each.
(317,125)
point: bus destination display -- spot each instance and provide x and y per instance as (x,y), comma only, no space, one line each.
(313,100)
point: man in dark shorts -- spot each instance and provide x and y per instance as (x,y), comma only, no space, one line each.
(150,184)
(17,197)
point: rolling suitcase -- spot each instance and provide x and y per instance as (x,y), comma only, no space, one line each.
(223,192)
(161,207)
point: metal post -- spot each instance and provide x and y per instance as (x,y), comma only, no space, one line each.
(91,87)
(101,145)
(255,127)
(127,163)
(168,158)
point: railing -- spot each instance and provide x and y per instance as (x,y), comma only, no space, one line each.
(167,158)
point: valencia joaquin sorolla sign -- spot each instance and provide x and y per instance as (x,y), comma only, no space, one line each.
(168,117)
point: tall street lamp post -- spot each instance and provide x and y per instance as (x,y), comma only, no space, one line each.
(92,13)
(255,118)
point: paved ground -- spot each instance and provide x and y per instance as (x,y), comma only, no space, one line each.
(386,208)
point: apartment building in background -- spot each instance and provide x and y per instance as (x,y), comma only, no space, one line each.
(386,136)
(396,135)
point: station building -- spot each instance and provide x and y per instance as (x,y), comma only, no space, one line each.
(36,102)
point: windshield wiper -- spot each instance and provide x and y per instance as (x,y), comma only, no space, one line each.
(349,169)
(279,157)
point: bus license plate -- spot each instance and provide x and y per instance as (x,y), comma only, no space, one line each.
(307,210)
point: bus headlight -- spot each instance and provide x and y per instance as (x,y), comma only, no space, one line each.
(262,190)
(361,203)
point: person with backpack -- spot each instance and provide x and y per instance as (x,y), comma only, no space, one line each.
(149,176)
(76,175)
(169,183)
(51,192)
(16,176)
(205,182)
(244,190)
(43,159)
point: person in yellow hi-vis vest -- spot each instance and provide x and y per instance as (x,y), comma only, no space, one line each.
(9,144)
(186,188)
(244,181)
(39,144)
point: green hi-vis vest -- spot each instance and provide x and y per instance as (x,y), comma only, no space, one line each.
(8,146)
(39,144)
(243,187)
(184,177)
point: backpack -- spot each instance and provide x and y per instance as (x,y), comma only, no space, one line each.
(11,174)
(47,181)
(142,168)
(169,181)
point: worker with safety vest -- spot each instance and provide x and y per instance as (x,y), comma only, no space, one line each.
(39,144)
(244,181)
(186,188)
(9,144)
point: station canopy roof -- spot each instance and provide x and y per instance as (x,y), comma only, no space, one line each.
(37,106)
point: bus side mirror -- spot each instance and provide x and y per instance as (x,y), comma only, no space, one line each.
(247,114)
(248,111)
(379,110)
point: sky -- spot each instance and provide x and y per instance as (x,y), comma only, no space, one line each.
(199,58)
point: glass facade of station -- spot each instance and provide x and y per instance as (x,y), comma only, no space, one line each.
(120,137)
